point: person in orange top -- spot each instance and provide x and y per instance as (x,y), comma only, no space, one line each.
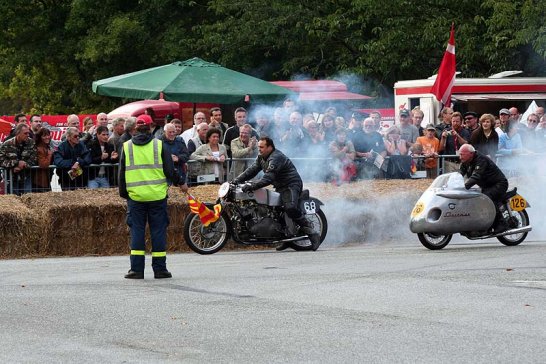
(430,144)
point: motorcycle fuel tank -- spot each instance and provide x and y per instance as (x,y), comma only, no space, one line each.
(263,196)
(447,207)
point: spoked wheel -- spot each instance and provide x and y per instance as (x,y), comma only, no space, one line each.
(433,241)
(320,224)
(205,239)
(515,239)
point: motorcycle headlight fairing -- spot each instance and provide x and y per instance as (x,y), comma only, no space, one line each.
(223,190)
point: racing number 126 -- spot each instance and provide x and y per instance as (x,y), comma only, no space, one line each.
(517,203)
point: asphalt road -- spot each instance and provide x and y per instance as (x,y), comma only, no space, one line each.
(382,303)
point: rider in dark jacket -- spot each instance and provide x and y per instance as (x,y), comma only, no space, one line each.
(280,172)
(482,171)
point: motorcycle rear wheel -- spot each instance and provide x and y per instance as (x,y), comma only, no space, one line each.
(320,224)
(433,241)
(206,239)
(515,239)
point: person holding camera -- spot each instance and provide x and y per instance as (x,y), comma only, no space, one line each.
(451,140)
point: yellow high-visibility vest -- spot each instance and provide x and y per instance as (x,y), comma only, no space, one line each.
(144,175)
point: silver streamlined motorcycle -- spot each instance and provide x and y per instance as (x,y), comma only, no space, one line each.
(447,207)
(253,218)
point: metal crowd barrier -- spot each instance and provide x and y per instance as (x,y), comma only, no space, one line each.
(311,170)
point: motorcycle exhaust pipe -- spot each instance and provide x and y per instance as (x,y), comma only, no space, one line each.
(297,238)
(520,230)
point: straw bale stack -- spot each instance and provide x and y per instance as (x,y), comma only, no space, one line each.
(80,222)
(93,222)
(18,234)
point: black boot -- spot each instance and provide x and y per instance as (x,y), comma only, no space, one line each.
(282,247)
(307,228)
(134,275)
(500,224)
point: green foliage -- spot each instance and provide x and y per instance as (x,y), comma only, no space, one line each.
(52,50)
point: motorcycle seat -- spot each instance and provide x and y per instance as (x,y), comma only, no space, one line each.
(511,193)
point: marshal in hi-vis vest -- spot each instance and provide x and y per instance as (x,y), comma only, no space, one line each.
(144,175)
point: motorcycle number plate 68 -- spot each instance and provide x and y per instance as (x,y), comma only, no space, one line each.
(309,207)
(518,203)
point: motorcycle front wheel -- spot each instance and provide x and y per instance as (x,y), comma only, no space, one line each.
(434,241)
(515,239)
(206,239)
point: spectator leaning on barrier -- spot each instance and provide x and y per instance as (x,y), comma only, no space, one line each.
(19,154)
(72,158)
(145,167)
(212,156)
(175,145)
(101,152)
(42,177)
(368,145)
(394,144)
(244,146)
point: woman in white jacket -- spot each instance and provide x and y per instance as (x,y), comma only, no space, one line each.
(211,155)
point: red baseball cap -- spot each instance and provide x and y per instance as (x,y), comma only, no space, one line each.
(144,120)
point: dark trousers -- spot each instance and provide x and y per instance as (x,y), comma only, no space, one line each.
(155,215)
(290,197)
(496,192)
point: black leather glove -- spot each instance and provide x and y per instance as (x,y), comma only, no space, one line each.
(248,187)
(236,181)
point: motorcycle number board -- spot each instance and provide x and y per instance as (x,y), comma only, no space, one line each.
(309,207)
(518,203)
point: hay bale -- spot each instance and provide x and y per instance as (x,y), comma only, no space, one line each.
(20,230)
(80,222)
(93,222)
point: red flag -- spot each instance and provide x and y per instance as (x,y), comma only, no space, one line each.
(446,74)
(206,215)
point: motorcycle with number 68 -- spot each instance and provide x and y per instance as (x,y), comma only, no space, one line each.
(253,218)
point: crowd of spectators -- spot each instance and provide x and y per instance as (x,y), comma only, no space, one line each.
(328,147)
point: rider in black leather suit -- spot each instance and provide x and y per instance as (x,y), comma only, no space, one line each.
(482,171)
(280,172)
